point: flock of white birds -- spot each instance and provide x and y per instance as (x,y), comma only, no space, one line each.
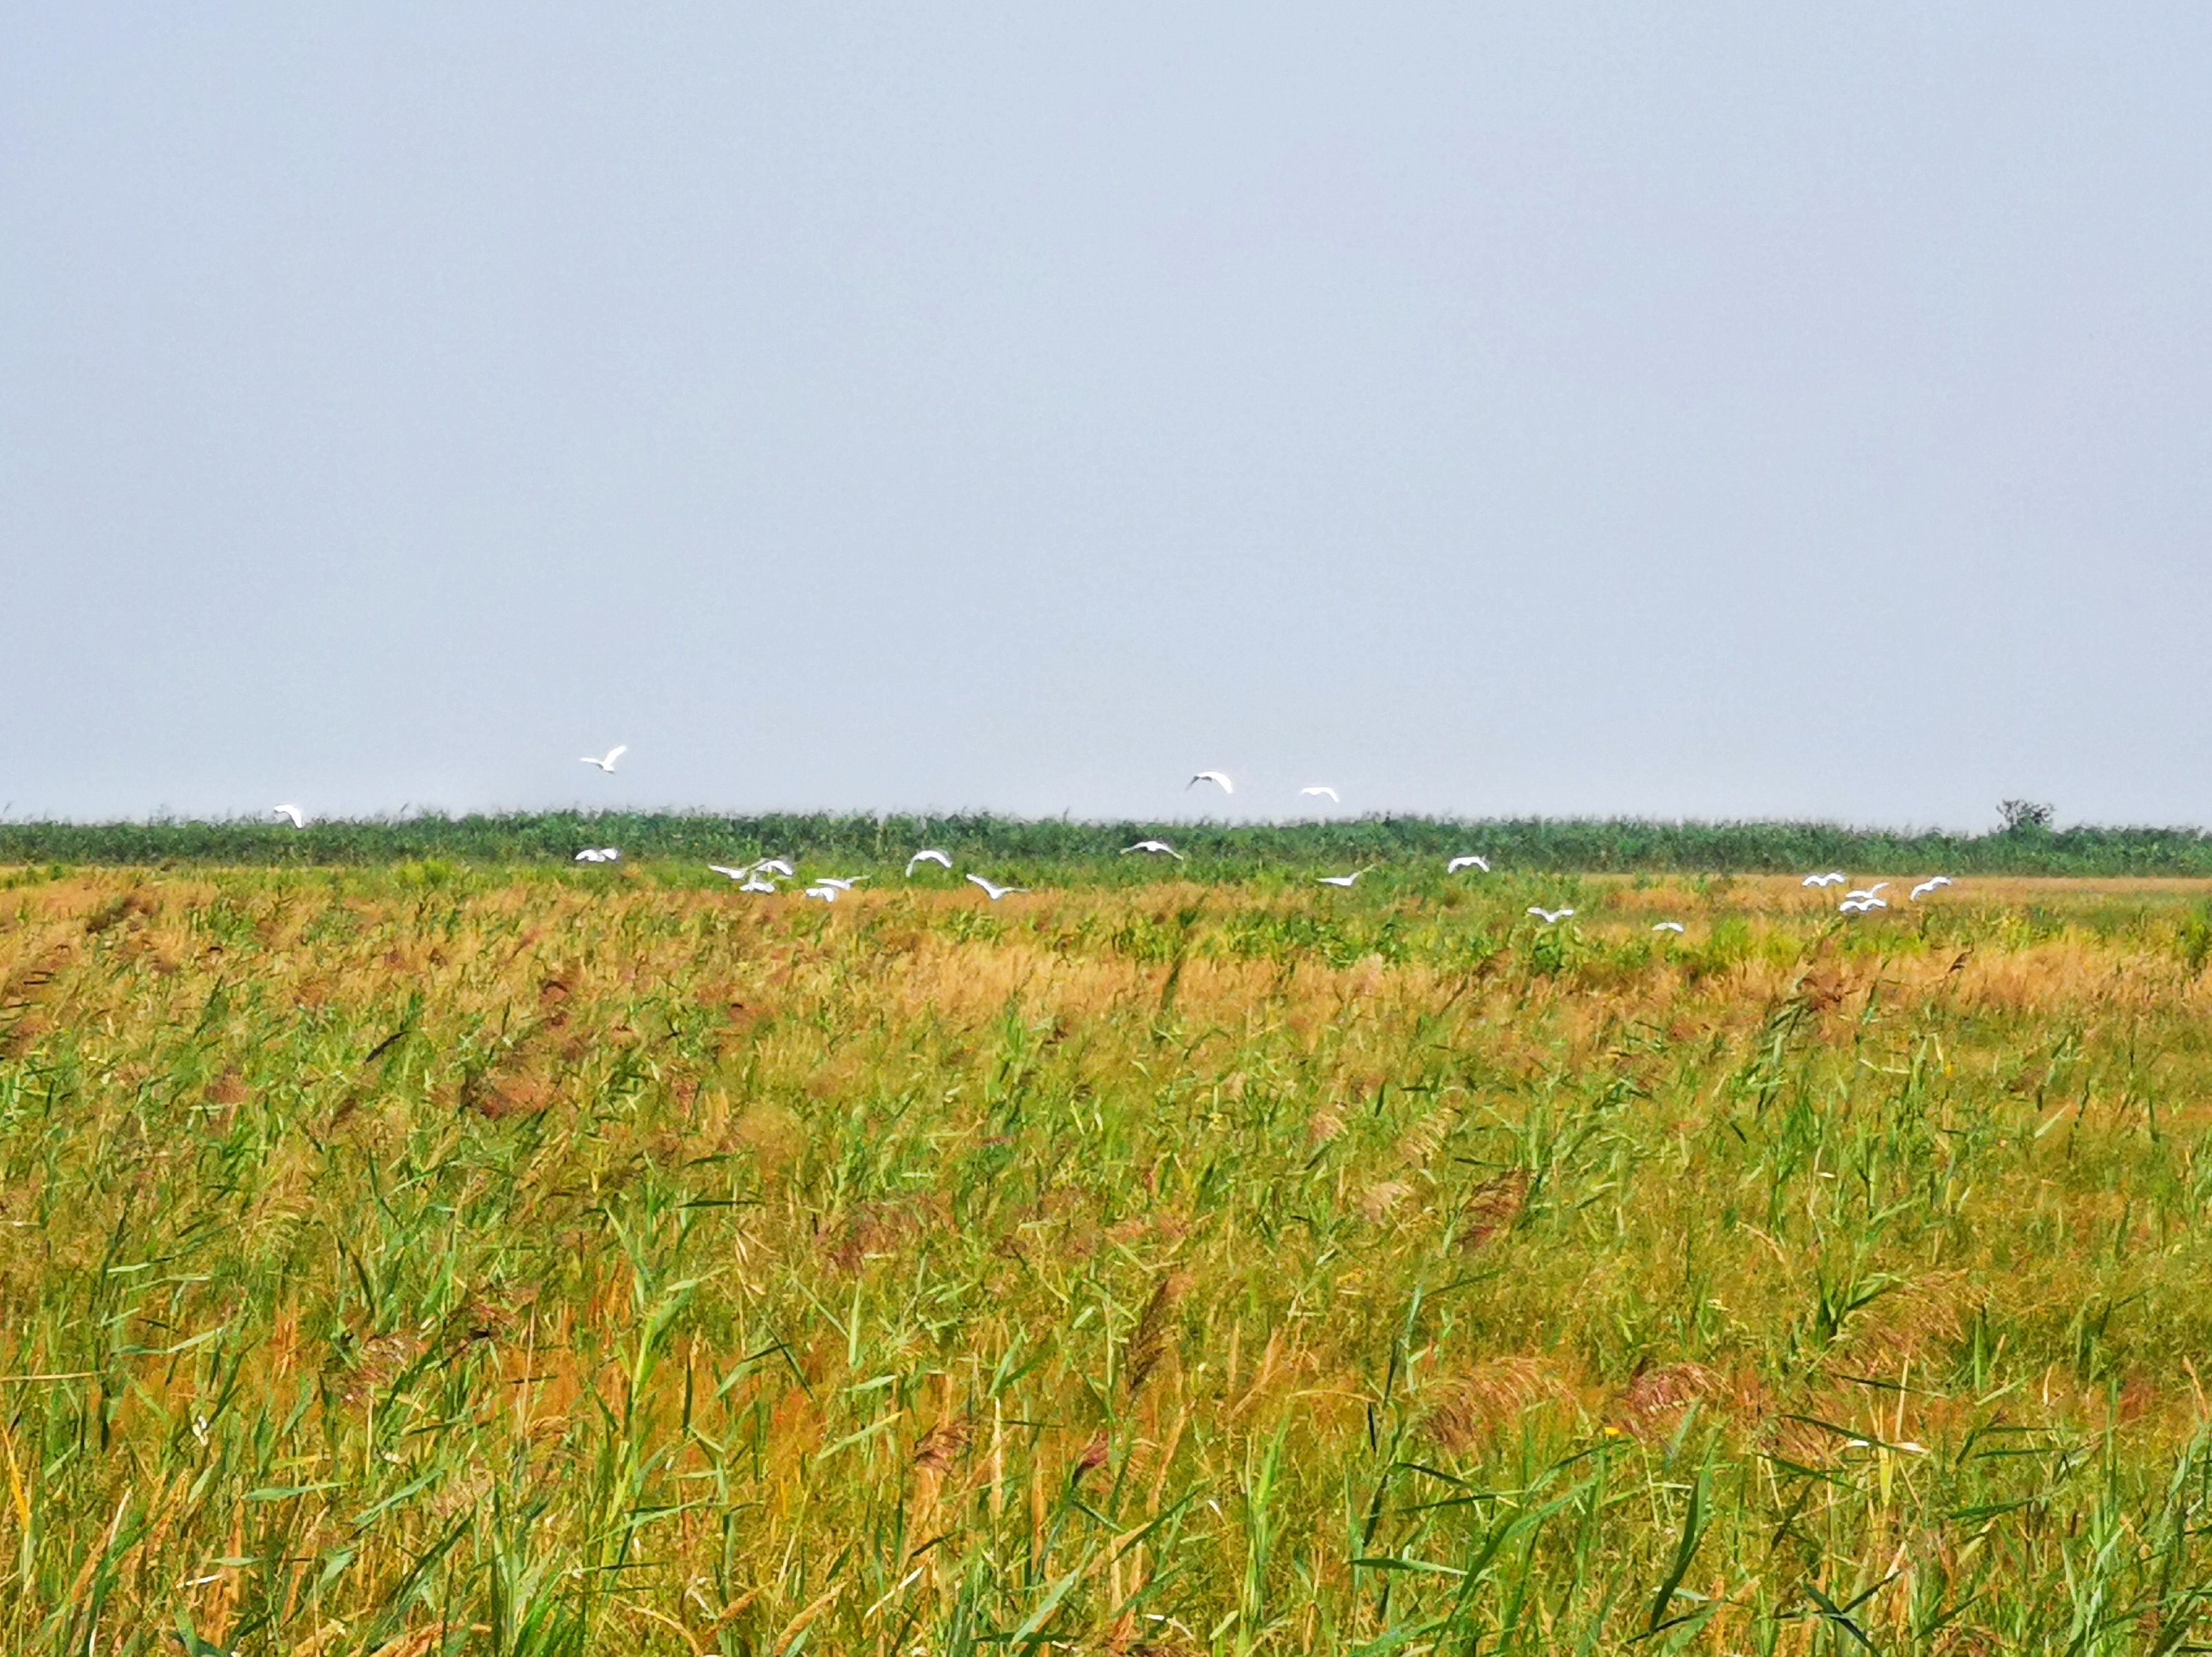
(766,876)
(1867,899)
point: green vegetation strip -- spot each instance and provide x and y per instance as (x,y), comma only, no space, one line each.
(1087,852)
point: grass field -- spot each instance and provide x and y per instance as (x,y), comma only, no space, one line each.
(438,1259)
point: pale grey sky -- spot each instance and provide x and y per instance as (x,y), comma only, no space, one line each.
(1684,410)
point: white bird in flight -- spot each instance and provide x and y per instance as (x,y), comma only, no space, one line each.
(1834,878)
(1153,848)
(993,890)
(1344,881)
(1550,917)
(778,866)
(1322,788)
(725,869)
(928,854)
(826,893)
(757,885)
(599,854)
(1669,926)
(1874,890)
(1859,906)
(839,882)
(1468,862)
(1933,885)
(607,764)
(1221,777)
(299,818)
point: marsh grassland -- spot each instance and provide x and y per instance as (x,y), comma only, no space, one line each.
(431,1260)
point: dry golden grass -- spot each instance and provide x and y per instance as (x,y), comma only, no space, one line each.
(508,1266)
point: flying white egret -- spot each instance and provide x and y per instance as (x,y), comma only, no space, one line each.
(1669,926)
(1323,788)
(778,866)
(299,818)
(928,854)
(1874,890)
(599,854)
(1859,906)
(1470,861)
(826,893)
(1934,883)
(757,885)
(993,890)
(1833,877)
(1344,881)
(725,869)
(1220,777)
(841,883)
(607,764)
(1153,848)
(1550,917)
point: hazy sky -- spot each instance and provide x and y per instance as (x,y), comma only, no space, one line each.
(1662,410)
